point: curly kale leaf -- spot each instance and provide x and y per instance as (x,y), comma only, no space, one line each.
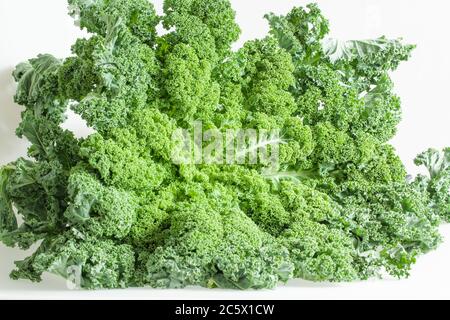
(139,16)
(438,184)
(8,221)
(88,262)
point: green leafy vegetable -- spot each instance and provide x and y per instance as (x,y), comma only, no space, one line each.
(113,210)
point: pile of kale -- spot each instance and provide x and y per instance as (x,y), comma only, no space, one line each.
(339,206)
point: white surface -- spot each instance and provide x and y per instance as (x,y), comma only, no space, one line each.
(28,28)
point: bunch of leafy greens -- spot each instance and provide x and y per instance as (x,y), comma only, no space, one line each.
(339,207)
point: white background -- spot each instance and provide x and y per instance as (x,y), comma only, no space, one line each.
(28,28)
